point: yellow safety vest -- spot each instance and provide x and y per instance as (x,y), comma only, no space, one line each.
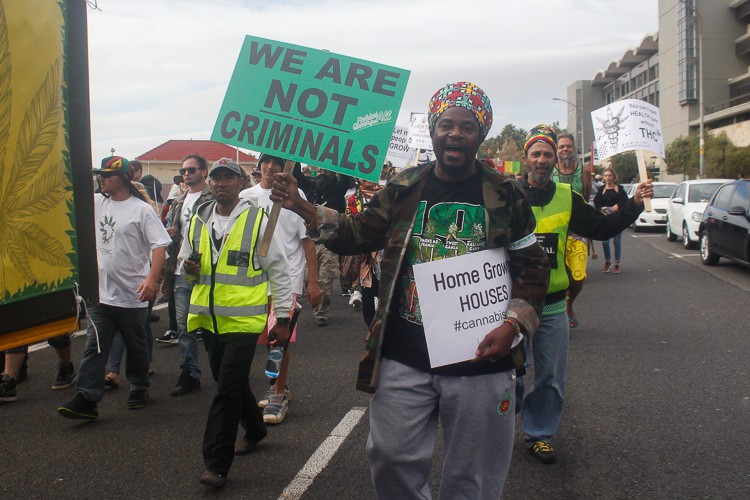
(230,296)
(551,231)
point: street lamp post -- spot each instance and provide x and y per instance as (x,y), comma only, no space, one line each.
(702,136)
(580,113)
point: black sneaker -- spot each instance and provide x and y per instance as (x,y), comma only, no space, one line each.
(322,322)
(543,452)
(66,376)
(169,337)
(80,408)
(185,384)
(137,399)
(8,389)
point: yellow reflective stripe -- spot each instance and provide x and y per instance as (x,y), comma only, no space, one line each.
(238,311)
(232,279)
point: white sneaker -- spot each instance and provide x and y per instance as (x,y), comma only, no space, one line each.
(275,411)
(356,300)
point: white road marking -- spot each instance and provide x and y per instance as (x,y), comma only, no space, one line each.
(322,455)
(44,344)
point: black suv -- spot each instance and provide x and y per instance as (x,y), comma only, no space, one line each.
(725,229)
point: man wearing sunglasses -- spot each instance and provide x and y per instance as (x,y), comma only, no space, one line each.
(131,244)
(194,172)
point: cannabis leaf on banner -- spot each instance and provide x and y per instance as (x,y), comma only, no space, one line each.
(30,184)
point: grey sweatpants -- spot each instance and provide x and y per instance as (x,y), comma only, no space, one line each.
(477,416)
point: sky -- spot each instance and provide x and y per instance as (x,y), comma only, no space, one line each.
(159,69)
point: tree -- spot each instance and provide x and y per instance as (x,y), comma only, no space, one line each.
(682,157)
(510,151)
(625,166)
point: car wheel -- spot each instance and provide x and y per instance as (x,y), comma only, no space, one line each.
(686,237)
(707,256)
(670,235)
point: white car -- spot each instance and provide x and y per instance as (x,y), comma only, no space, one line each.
(685,209)
(657,217)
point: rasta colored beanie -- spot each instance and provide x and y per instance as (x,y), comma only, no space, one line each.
(116,165)
(540,133)
(463,95)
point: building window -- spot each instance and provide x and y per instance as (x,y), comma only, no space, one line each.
(687,54)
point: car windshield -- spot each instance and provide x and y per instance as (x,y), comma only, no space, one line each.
(701,193)
(662,191)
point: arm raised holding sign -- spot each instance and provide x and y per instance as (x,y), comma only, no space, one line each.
(444,213)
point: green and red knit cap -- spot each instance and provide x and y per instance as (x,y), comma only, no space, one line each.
(116,165)
(463,95)
(540,133)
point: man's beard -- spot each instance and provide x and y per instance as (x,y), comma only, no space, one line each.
(570,161)
(540,179)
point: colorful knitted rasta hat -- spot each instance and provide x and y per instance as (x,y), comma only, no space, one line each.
(464,95)
(116,165)
(540,133)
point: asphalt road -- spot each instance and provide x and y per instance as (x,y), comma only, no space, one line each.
(657,406)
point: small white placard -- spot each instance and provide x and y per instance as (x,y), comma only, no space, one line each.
(462,299)
(627,125)
(419,132)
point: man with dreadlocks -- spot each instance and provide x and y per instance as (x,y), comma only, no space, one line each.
(131,245)
(414,216)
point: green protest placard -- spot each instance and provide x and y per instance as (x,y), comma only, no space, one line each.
(312,106)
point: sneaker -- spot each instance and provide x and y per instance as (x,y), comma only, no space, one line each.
(66,376)
(617,269)
(137,399)
(356,300)
(271,391)
(213,479)
(80,408)
(543,452)
(345,293)
(185,384)
(607,265)
(8,389)
(245,446)
(275,411)
(322,322)
(169,337)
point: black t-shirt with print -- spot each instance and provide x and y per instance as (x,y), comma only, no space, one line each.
(450,222)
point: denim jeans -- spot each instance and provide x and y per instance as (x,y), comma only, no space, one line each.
(541,409)
(188,341)
(130,322)
(618,248)
(118,346)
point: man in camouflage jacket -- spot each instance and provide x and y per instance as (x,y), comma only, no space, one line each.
(430,213)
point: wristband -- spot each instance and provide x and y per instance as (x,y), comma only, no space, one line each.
(514,323)
(284,321)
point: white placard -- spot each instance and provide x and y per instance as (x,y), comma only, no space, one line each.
(462,299)
(419,132)
(399,152)
(627,125)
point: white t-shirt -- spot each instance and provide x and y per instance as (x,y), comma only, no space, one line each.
(291,228)
(126,234)
(188,209)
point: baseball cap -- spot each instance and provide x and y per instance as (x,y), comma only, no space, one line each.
(225,163)
(116,165)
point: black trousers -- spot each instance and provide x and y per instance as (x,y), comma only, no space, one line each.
(230,356)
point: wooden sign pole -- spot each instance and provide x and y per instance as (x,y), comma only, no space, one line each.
(273,217)
(641,155)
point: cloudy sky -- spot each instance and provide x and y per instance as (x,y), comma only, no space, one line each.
(159,69)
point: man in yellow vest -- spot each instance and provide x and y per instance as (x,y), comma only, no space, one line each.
(229,303)
(558,209)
